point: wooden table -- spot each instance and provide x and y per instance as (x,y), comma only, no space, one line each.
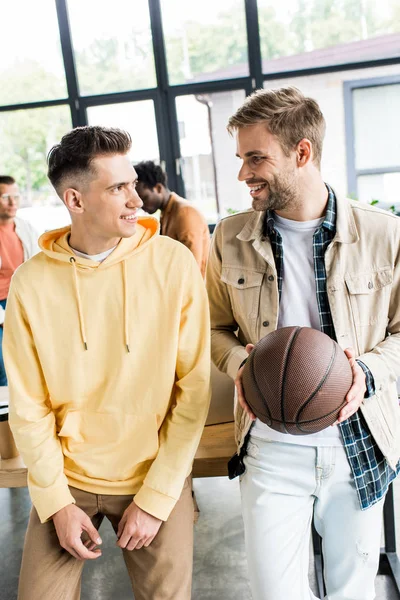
(217,446)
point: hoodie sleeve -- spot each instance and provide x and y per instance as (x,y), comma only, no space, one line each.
(31,418)
(180,433)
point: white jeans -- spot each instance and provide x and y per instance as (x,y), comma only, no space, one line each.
(283,485)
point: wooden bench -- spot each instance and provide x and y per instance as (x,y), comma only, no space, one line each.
(12,469)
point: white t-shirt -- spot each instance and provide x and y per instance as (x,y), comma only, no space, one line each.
(298,306)
(96,257)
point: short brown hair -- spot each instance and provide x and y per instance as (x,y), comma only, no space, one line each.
(288,114)
(72,157)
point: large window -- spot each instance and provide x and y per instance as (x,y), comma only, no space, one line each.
(173,72)
(113,48)
(31,67)
(203,38)
(208,154)
(377,142)
(301,34)
(374,140)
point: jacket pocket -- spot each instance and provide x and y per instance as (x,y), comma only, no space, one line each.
(244,291)
(369,295)
(108,446)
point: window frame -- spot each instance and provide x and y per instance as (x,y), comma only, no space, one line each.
(352,172)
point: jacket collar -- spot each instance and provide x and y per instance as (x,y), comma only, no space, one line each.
(346,229)
(253,227)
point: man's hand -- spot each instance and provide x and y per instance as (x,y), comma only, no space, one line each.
(70,522)
(137,528)
(239,388)
(356,393)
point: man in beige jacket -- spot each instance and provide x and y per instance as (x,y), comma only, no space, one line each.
(304,256)
(180,220)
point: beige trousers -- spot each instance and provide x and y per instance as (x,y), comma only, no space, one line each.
(163,571)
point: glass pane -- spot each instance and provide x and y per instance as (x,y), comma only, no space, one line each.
(208,152)
(27,136)
(377,126)
(138,119)
(114,53)
(384,188)
(205,40)
(31,66)
(327,90)
(301,34)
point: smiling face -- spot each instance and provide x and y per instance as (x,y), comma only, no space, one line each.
(269,173)
(104,209)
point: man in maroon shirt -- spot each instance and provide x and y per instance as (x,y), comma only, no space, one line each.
(18,242)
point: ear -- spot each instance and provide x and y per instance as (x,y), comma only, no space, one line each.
(159,188)
(73,201)
(303,152)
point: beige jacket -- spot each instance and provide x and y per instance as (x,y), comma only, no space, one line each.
(363,285)
(184,222)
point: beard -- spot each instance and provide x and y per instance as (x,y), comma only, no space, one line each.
(281,193)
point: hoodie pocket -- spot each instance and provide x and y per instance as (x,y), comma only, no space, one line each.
(108,446)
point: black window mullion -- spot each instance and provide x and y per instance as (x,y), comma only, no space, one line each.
(78,113)
(166,120)
(253,42)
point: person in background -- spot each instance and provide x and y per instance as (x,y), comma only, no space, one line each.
(305,256)
(107,349)
(179,220)
(18,242)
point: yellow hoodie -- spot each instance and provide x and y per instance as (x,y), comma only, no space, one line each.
(109,369)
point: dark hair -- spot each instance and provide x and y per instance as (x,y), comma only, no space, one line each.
(73,156)
(6,180)
(150,174)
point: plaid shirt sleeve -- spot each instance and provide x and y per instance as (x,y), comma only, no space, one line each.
(369,380)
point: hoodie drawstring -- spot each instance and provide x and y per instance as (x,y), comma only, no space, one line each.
(78,298)
(72,260)
(126,305)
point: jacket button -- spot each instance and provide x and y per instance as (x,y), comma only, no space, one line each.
(241,280)
(265,323)
(270,278)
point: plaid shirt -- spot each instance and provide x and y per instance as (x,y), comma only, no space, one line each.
(372,474)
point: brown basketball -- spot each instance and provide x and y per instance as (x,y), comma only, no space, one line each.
(296,380)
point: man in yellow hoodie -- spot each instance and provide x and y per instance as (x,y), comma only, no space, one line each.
(107,353)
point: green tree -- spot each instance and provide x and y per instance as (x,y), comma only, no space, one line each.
(110,65)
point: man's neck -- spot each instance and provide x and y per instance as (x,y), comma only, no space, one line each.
(5,222)
(310,205)
(93,246)
(165,201)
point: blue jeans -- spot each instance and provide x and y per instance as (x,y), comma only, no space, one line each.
(3,376)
